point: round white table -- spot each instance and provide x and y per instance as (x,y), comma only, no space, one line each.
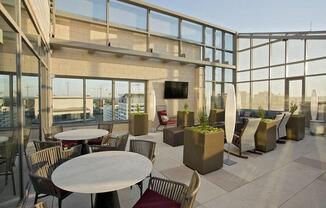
(81,135)
(102,173)
(3,139)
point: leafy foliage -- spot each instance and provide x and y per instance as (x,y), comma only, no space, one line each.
(261,112)
(293,108)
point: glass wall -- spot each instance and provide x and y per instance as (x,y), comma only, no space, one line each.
(272,66)
(104,101)
(19,97)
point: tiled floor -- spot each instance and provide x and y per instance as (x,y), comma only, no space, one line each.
(291,176)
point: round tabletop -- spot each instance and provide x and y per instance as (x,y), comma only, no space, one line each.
(81,134)
(3,139)
(102,172)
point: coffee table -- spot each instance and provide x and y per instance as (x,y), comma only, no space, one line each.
(102,173)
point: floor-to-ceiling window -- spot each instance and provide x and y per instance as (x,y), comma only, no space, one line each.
(281,69)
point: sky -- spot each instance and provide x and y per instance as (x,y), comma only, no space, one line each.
(254,15)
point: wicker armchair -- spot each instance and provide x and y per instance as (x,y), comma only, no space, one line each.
(40,205)
(109,143)
(41,164)
(106,126)
(50,132)
(145,148)
(7,161)
(68,153)
(166,193)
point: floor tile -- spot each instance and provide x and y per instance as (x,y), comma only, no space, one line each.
(312,163)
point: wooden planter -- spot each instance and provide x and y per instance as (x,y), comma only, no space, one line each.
(216,115)
(185,119)
(203,152)
(138,124)
(265,136)
(295,128)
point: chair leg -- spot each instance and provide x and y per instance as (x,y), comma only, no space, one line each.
(13,183)
(59,202)
(92,201)
(36,198)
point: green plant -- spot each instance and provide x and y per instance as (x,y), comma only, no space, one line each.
(138,108)
(261,112)
(293,108)
(203,118)
(215,105)
(186,107)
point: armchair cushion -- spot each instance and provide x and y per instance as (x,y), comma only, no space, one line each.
(69,144)
(152,199)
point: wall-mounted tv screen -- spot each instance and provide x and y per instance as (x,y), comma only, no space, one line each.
(175,90)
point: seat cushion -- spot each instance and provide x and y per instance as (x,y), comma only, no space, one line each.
(97,141)
(152,199)
(69,144)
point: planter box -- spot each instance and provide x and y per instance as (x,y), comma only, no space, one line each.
(203,152)
(185,119)
(295,128)
(138,124)
(216,115)
(265,136)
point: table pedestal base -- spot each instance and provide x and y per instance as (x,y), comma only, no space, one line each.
(107,200)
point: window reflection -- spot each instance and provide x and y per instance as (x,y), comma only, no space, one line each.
(191,31)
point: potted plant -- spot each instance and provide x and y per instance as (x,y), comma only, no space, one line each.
(185,118)
(295,127)
(265,136)
(138,122)
(216,115)
(203,146)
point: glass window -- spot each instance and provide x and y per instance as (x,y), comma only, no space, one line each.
(316,83)
(228,41)
(5,101)
(98,100)
(243,76)
(259,74)
(294,70)
(191,31)
(95,9)
(218,98)
(316,67)
(128,15)
(67,100)
(228,75)
(277,94)
(243,43)
(209,36)
(137,96)
(259,95)
(218,74)
(209,54)
(121,101)
(278,53)
(208,96)
(208,73)
(295,50)
(28,27)
(164,24)
(256,42)
(30,99)
(244,60)
(228,58)
(316,48)
(218,56)
(260,56)
(10,6)
(218,39)
(277,72)
(243,95)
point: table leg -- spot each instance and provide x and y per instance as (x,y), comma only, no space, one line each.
(107,200)
(85,149)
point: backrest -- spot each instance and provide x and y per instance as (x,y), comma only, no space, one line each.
(248,134)
(56,129)
(122,142)
(143,147)
(108,127)
(278,119)
(43,163)
(101,148)
(40,205)
(41,145)
(8,153)
(160,114)
(282,125)
(188,201)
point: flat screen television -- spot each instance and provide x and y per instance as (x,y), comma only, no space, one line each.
(175,90)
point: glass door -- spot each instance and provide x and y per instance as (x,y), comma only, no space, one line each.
(294,92)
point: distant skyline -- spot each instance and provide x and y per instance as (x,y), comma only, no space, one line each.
(254,15)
